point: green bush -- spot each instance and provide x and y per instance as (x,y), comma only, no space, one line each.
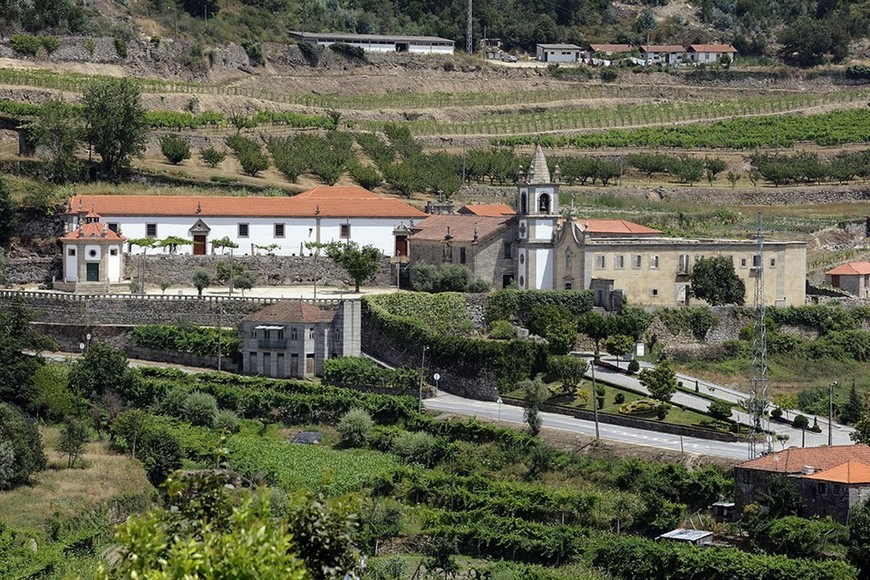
(619,398)
(25,44)
(176,149)
(346,50)
(310,53)
(349,371)
(21,452)
(197,340)
(719,409)
(211,156)
(478,286)
(150,439)
(120,47)
(418,447)
(354,427)
(518,304)
(200,409)
(366,176)
(609,74)
(633,366)
(502,330)
(49,43)
(226,421)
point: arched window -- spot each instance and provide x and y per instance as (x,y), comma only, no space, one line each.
(523,204)
(544,203)
(568,286)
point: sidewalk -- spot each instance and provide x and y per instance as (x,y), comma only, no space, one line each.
(840,435)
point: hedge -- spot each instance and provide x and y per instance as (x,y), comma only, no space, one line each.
(511,304)
(201,341)
(350,371)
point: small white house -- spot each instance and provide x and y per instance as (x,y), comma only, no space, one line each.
(278,225)
(711,53)
(662,54)
(379,43)
(92,255)
(558,53)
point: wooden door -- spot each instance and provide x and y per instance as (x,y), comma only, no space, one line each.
(402,245)
(309,364)
(93,272)
(199,245)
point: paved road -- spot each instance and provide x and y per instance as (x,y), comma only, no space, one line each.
(840,433)
(509,413)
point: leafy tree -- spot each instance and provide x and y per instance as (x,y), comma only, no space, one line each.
(782,497)
(733,178)
(556,324)
(354,427)
(243,281)
(253,161)
(8,214)
(224,243)
(714,280)
(809,42)
(361,263)
(453,278)
(720,409)
(853,410)
(535,392)
(57,129)
(596,326)
(660,381)
(631,321)
(713,166)
(858,551)
(17,369)
(802,538)
(200,409)
(115,121)
(569,369)
(73,437)
(201,8)
(102,368)
(323,532)
(201,279)
(52,397)
(22,444)
(440,556)
(619,345)
(176,149)
(689,169)
(211,156)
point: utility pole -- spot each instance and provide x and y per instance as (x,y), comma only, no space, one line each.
(219,329)
(594,397)
(469,42)
(831,413)
(422,366)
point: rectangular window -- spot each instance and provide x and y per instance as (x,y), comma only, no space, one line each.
(243,230)
(747,476)
(293,334)
(345,231)
(113,227)
(822,488)
(280,334)
(71,252)
(742,262)
(838,489)
(151,230)
(637,261)
(773,262)
(461,255)
(654,292)
(599,262)
(508,250)
(310,333)
(113,252)
(756,261)
(279,230)
(683,264)
(653,262)
(619,262)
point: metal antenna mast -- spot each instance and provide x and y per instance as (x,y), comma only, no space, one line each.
(469,43)
(760,395)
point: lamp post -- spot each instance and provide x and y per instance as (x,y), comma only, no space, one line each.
(594,398)
(422,365)
(831,413)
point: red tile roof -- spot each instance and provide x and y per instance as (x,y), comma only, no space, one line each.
(599,226)
(92,231)
(711,48)
(323,201)
(850,269)
(489,210)
(852,471)
(794,458)
(661,48)
(291,311)
(461,228)
(610,47)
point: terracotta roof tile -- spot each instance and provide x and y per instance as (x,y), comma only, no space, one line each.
(461,227)
(852,471)
(794,458)
(599,226)
(610,47)
(94,230)
(661,48)
(711,48)
(323,201)
(488,210)
(292,311)
(850,269)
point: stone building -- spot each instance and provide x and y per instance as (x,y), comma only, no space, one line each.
(92,256)
(292,338)
(831,480)
(853,277)
(485,245)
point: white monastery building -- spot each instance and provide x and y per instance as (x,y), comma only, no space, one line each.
(378,42)
(283,224)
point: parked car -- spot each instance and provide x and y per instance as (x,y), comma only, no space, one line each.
(508,58)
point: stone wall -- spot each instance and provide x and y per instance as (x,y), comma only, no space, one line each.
(125,309)
(266,270)
(33,270)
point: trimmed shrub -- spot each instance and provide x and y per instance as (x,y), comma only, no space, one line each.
(354,427)
(518,304)
(633,366)
(200,409)
(226,421)
(418,447)
(502,330)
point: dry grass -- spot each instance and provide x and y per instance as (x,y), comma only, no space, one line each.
(58,491)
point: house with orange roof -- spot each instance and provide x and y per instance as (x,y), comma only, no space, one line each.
(711,53)
(487,209)
(486,245)
(853,277)
(92,256)
(293,338)
(831,480)
(323,214)
(662,54)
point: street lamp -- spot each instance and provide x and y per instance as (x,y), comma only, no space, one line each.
(422,365)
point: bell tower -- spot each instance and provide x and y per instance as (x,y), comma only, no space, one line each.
(538,213)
